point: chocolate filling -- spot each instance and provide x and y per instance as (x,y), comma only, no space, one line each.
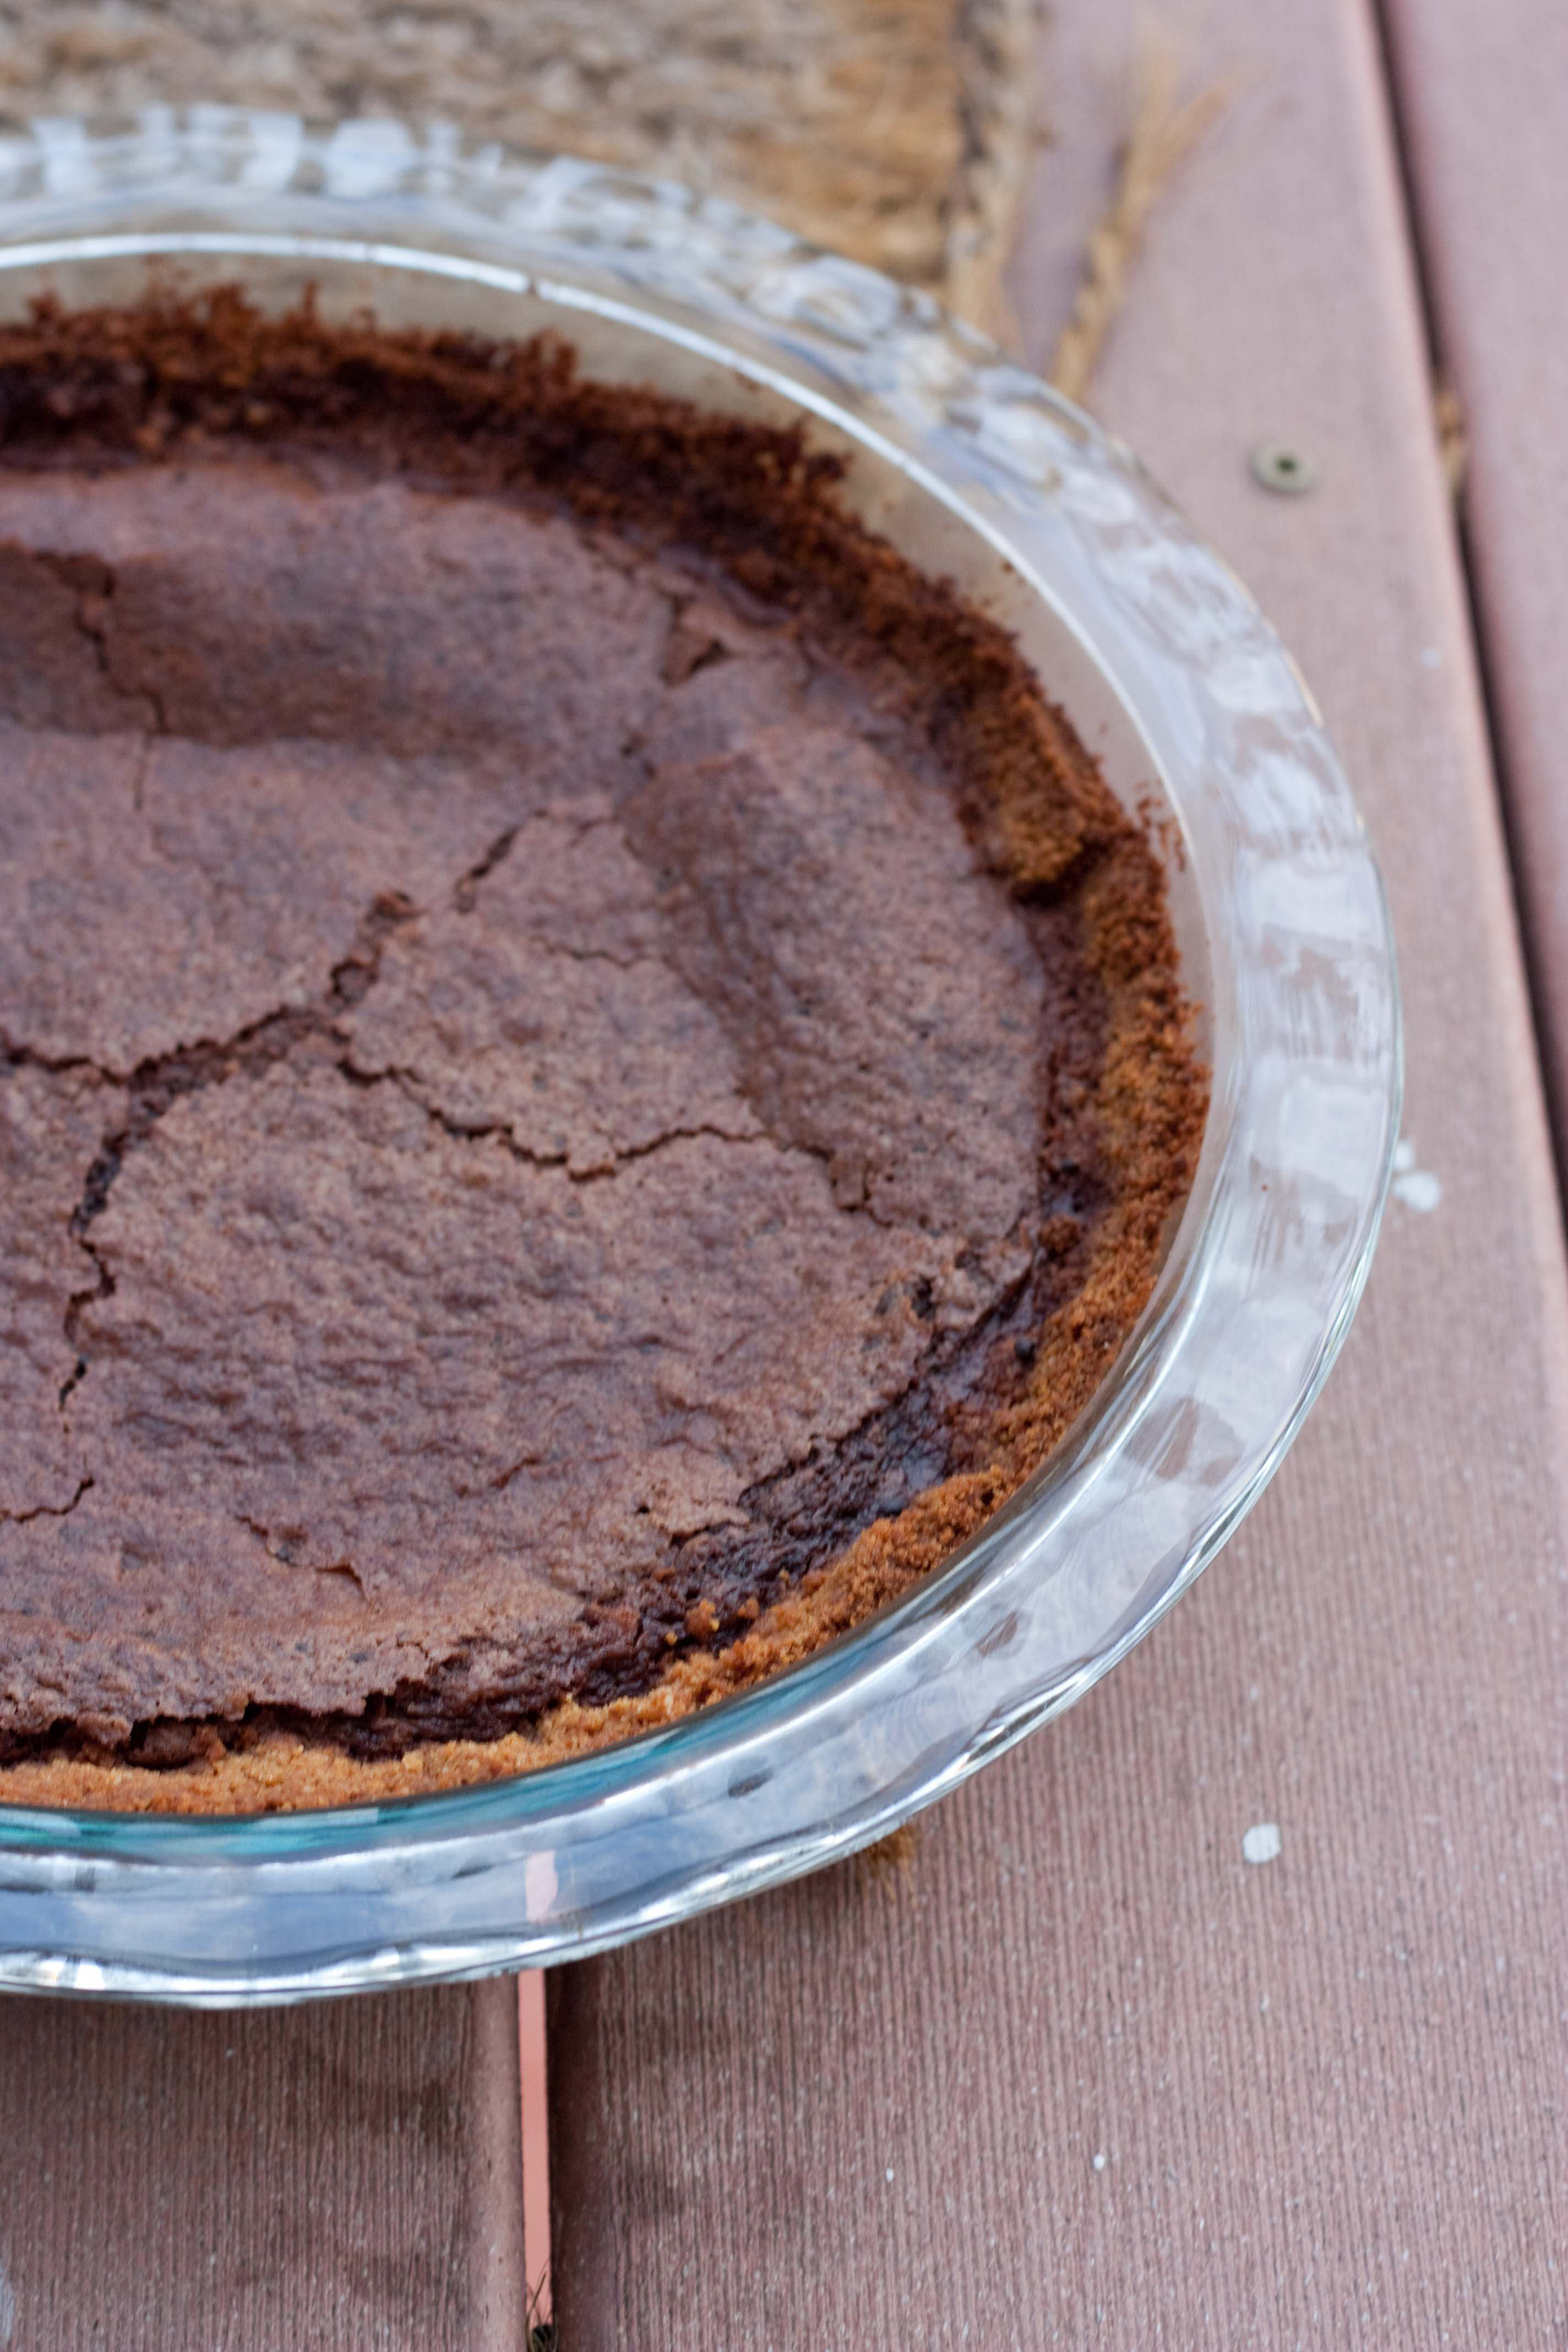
(579,1037)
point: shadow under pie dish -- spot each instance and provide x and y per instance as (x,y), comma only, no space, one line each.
(595,1077)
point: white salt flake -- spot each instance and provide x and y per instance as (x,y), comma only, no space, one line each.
(1261,1843)
(1420,1190)
(1099,2160)
(1416,1187)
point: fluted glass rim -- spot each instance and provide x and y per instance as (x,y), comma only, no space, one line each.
(1262,1277)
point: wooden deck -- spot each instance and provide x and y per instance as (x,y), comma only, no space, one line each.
(1082,2073)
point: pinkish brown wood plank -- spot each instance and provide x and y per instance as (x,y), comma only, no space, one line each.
(319,2180)
(1482,96)
(1087,2075)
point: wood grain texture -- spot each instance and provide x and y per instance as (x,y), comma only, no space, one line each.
(1482,96)
(890,130)
(1327,2089)
(323,2179)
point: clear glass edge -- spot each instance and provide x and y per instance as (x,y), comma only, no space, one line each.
(124,1844)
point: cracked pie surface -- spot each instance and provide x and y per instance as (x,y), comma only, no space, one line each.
(591,1076)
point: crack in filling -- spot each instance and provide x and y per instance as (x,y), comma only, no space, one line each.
(156,1083)
(47,1510)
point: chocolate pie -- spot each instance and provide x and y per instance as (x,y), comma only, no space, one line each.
(590,1075)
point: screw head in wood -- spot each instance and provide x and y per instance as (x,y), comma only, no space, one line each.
(1280,465)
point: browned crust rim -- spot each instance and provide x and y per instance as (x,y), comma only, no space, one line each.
(151,380)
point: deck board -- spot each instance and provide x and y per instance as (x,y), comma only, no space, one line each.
(1482,96)
(868,2109)
(1326,2089)
(324,2180)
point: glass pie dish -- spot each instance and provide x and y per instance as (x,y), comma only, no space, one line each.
(977,472)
